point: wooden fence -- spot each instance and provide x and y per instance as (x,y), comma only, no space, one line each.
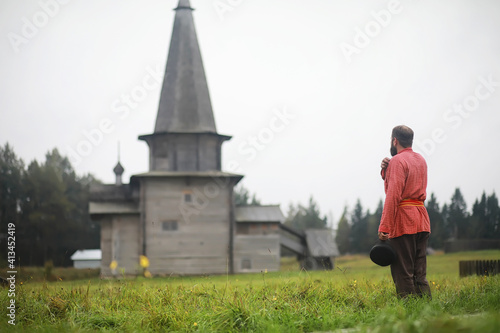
(479,267)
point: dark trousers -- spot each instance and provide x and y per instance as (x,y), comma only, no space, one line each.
(409,270)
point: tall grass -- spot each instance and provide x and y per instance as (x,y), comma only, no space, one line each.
(357,295)
(40,274)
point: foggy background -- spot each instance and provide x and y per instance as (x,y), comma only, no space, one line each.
(433,66)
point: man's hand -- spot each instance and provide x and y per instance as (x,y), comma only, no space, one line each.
(383,236)
(385,163)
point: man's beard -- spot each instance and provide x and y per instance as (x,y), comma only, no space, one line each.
(394,151)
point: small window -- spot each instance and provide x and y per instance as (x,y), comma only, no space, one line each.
(169,226)
(246,264)
(242,229)
(188,196)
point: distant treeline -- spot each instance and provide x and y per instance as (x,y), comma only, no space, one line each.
(357,230)
(48,203)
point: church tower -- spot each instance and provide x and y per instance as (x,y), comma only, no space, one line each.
(185,137)
(181,212)
(187,219)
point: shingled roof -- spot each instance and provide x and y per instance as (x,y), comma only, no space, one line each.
(271,213)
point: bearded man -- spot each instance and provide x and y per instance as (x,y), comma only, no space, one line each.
(405,221)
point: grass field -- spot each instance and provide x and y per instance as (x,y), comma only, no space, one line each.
(357,295)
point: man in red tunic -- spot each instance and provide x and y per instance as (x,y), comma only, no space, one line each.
(404,219)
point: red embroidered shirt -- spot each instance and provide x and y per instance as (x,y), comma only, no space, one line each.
(405,178)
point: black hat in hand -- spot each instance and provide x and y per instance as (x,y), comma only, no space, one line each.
(382,253)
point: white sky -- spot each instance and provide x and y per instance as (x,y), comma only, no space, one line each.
(71,72)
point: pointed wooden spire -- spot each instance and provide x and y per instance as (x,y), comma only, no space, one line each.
(185,105)
(185,137)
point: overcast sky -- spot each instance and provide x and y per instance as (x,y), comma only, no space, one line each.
(309,89)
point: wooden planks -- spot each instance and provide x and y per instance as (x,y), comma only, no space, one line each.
(260,252)
(200,245)
(479,267)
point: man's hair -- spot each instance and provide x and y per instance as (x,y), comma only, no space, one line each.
(404,134)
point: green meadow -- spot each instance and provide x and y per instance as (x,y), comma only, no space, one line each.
(357,296)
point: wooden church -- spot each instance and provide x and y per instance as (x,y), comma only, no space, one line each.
(181,213)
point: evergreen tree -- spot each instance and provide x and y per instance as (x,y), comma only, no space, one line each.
(242,197)
(486,217)
(343,233)
(479,223)
(11,194)
(302,218)
(492,217)
(49,205)
(458,216)
(359,228)
(373,222)
(448,227)
(290,214)
(46,213)
(438,231)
